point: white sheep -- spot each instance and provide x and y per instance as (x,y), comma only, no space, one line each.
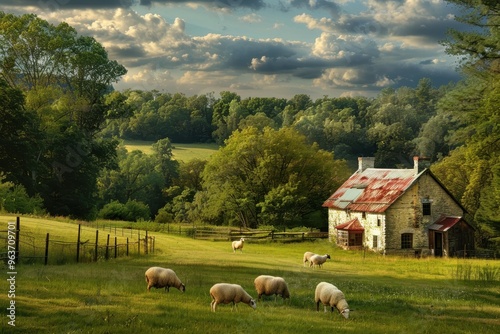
(226,293)
(307,256)
(271,285)
(318,260)
(329,295)
(238,244)
(163,278)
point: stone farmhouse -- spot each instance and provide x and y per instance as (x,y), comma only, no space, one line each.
(404,211)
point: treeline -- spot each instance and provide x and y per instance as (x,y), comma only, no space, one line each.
(392,127)
(279,159)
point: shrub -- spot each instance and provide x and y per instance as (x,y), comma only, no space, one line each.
(113,211)
(163,217)
(16,200)
(131,211)
(137,210)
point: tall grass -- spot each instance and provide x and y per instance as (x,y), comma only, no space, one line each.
(386,294)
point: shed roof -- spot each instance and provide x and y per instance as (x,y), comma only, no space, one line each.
(351,225)
(444,223)
(372,190)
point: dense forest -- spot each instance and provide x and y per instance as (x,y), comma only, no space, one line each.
(62,127)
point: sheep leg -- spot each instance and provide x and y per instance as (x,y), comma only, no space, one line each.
(213,305)
(317,306)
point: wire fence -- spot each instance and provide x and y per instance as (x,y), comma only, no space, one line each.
(90,245)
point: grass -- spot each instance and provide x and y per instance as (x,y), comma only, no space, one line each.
(181,152)
(386,294)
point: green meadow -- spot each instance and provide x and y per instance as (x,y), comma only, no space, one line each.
(181,152)
(386,294)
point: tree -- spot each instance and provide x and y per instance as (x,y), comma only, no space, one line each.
(33,52)
(479,46)
(65,78)
(271,176)
(19,137)
(220,114)
(474,107)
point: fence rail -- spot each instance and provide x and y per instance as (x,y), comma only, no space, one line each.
(30,248)
(211,234)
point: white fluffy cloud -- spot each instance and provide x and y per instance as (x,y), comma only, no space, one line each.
(385,43)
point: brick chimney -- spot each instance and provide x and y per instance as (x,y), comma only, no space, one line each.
(415,164)
(365,162)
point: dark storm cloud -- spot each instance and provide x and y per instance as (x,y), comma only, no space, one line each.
(126,52)
(231,4)
(70,4)
(103,4)
(410,74)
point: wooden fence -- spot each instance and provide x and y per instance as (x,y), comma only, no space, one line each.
(269,235)
(29,248)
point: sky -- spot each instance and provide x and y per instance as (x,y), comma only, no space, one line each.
(264,48)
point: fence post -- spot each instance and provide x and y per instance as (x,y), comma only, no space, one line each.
(138,242)
(127,246)
(78,243)
(47,249)
(18,228)
(116,246)
(154,239)
(96,242)
(146,243)
(107,248)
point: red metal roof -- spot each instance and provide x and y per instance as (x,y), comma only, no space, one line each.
(372,190)
(351,225)
(444,224)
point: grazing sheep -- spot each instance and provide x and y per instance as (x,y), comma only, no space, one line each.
(307,256)
(163,278)
(271,285)
(238,244)
(318,260)
(329,295)
(226,293)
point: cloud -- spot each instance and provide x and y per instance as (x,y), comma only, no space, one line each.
(52,5)
(321,5)
(388,43)
(251,18)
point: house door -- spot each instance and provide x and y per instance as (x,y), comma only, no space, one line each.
(438,240)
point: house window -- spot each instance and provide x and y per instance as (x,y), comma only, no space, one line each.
(426,208)
(378,221)
(342,238)
(375,241)
(406,240)
(363,215)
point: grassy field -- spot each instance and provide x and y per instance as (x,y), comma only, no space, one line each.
(182,152)
(385,294)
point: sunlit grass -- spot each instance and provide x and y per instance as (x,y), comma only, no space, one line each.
(181,152)
(387,294)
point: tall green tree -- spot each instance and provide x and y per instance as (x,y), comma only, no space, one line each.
(476,109)
(271,176)
(478,47)
(65,78)
(19,137)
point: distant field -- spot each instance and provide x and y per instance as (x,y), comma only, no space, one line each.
(182,152)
